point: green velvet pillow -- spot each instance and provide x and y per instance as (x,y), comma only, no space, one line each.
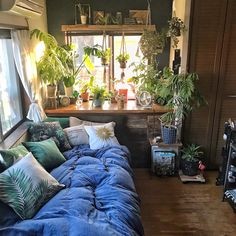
(9,156)
(46,152)
(26,187)
(64,121)
(45,130)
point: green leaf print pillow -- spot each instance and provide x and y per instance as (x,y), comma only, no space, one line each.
(26,186)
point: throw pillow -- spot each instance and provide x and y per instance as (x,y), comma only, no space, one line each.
(9,156)
(45,130)
(77,135)
(101,136)
(64,121)
(76,121)
(46,152)
(26,187)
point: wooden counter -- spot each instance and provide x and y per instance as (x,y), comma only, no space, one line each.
(134,125)
(107,108)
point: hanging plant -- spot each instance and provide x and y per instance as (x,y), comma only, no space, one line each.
(151,44)
(122,59)
(175,28)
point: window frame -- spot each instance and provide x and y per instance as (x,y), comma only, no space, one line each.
(5,34)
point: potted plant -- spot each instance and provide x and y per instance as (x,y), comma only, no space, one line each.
(190,159)
(98,51)
(175,27)
(85,86)
(50,66)
(122,59)
(181,95)
(99,93)
(83,14)
(74,97)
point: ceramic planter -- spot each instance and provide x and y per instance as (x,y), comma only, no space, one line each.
(83,19)
(189,168)
(51,91)
(122,64)
(97,103)
(69,91)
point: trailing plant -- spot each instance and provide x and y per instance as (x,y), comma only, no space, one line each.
(151,44)
(192,153)
(175,27)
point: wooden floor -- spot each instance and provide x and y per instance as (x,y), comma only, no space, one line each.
(170,207)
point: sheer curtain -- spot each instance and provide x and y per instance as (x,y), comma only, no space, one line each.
(26,67)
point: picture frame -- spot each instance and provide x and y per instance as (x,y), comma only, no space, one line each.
(97,15)
(140,16)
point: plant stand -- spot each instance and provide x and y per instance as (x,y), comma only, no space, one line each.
(196,178)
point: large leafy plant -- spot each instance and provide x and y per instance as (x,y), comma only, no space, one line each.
(191,152)
(50,66)
(181,94)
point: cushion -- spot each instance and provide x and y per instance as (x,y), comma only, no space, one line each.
(101,136)
(76,121)
(45,130)
(77,135)
(46,152)
(26,186)
(63,121)
(9,156)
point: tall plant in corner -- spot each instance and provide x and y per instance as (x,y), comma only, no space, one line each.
(182,96)
(50,66)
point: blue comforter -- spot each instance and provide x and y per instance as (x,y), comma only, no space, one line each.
(99,198)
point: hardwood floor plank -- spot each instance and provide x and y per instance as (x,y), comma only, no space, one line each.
(170,207)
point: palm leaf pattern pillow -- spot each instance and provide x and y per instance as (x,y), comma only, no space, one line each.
(26,187)
(10,156)
(45,130)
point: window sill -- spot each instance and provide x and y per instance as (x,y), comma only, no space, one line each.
(87,108)
(14,137)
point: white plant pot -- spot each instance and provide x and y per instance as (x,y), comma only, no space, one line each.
(83,20)
(69,91)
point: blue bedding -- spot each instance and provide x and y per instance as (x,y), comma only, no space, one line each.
(99,198)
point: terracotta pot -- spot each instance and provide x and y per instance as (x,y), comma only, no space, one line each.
(85,96)
(122,64)
(51,90)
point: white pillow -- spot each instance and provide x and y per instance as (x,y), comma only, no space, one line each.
(101,136)
(74,121)
(77,135)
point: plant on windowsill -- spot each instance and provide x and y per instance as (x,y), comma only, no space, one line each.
(99,93)
(181,95)
(85,87)
(191,160)
(74,97)
(122,59)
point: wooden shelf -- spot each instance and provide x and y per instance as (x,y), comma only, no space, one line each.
(115,29)
(87,108)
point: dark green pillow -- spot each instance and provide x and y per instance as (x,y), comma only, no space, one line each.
(11,155)
(26,187)
(46,152)
(45,130)
(64,121)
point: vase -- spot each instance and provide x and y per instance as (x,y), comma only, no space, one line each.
(83,19)
(97,102)
(69,91)
(51,90)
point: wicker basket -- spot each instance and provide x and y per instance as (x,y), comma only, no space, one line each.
(169,134)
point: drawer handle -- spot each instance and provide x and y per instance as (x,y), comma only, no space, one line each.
(232,96)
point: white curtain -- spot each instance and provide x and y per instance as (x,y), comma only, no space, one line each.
(26,67)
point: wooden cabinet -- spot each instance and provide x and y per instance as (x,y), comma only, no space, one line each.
(212,54)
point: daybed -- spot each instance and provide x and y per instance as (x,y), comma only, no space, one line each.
(97,197)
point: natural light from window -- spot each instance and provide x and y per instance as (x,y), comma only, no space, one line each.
(10,104)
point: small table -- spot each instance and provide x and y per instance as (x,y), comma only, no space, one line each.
(162,147)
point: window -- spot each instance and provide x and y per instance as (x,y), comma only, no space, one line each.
(10,99)
(113,70)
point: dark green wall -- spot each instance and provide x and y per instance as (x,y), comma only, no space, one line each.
(61,12)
